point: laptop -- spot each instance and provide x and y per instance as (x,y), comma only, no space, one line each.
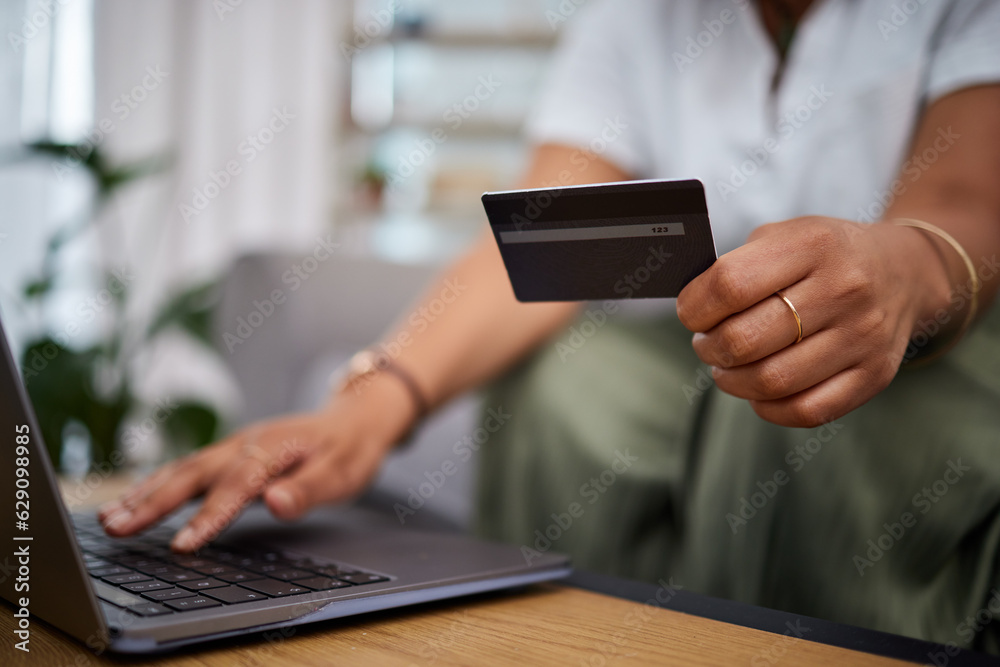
(132,595)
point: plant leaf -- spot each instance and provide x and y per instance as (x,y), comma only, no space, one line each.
(192,424)
(37,288)
(59,381)
(191,310)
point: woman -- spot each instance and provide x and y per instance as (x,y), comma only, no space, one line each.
(792,454)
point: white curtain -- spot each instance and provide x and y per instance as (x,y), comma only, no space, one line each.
(202,81)
(245,98)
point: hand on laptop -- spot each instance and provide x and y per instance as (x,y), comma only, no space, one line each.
(859,291)
(294,462)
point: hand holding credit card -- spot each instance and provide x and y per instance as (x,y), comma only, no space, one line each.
(632,240)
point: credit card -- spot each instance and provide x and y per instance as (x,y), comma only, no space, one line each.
(631,240)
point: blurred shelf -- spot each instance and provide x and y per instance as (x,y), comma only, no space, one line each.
(426,239)
(407,85)
(471,129)
(474,40)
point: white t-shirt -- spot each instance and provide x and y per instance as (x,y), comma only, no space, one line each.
(682,89)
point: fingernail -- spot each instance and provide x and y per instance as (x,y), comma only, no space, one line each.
(184,540)
(109,508)
(118,520)
(282,500)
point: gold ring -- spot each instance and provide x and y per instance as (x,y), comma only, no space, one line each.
(795,314)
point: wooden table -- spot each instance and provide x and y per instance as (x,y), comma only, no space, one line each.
(559,624)
(548,624)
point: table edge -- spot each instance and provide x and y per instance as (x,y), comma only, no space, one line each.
(774,621)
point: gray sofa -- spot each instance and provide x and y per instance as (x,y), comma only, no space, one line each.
(285,363)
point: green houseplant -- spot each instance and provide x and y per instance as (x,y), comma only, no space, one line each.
(88,387)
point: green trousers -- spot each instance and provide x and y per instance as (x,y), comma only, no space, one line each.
(622,453)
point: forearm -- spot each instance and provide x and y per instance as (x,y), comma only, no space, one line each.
(957,191)
(468,327)
(974,222)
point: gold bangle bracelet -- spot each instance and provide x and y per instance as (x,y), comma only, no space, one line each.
(974,281)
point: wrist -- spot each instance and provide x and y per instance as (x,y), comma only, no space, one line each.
(925,266)
(381,404)
(951,310)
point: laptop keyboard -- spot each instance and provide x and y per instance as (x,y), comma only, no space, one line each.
(143,576)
